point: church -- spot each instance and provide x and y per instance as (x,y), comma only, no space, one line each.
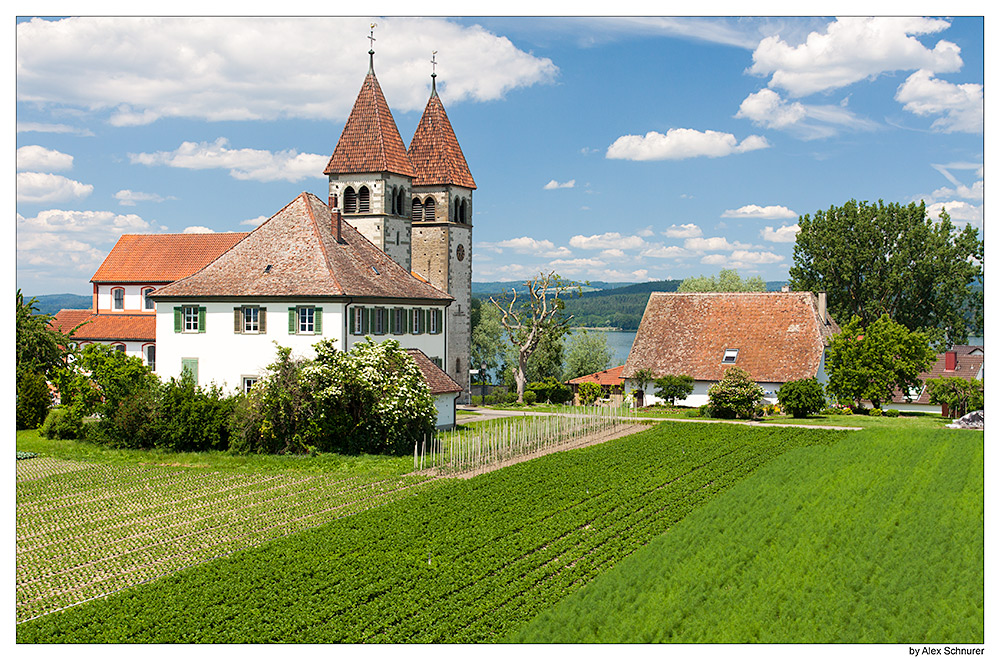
(387,255)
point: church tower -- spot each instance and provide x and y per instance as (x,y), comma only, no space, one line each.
(441,202)
(371,175)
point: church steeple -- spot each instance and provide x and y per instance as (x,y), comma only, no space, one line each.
(434,151)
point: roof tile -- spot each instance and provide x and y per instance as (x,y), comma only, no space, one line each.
(162,257)
(105,327)
(609,377)
(437,380)
(434,150)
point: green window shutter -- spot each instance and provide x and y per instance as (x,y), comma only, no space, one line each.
(238,320)
(366,321)
(190,364)
(292,321)
(201,319)
(263,320)
(424,325)
(318,320)
(178,319)
(408,322)
(440,317)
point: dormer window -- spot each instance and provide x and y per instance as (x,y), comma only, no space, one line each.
(729,357)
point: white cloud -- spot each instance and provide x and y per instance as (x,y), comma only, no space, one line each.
(645,233)
(766,108)
(666,252)
(641,274)
(609,240)
(754,212)
(713,244)
(130,197)
(93,223)
(959,211)
(613,253)
(742,259)
(681,143)
(36,187)
(554,185)
(36,127)
(243,164)
(198,229)
(521,245)
(784,234)
(960,105)
(39,159)
(242,68)
(853,49)
(255,222)
(688,230)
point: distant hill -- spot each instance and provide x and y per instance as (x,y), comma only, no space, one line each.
(483,290)
(52,303)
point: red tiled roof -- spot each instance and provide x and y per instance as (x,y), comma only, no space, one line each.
(162,257)
(608,377)
(779,335)
(966,366)
(299,245)
(105,327)
(437,380)
(434,150)
(370,141)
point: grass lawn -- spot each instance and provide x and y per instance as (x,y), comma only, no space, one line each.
(877,539)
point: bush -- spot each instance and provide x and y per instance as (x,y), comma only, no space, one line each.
(836,410)
(189,418)
(63,423)
(672,387)
(735,396)
(892,412)
(510,397)
(589,393)
(529,397)
(33,399)
(801,398)
(875,412)
(550,390)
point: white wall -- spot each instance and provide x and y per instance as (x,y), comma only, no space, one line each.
(699,396)
(445,406)
(133,296)
(132,348)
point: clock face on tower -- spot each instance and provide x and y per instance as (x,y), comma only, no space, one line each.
(460,252)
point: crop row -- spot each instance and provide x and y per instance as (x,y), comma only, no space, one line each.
(99,529)
(468,561)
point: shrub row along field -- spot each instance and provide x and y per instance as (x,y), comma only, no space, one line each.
(468,561)
(878,539)
(85,529)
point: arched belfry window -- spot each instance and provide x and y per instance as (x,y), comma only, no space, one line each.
(429,209)
(350,200)
(400,202)
(418,209)
(463,211)
(364,200)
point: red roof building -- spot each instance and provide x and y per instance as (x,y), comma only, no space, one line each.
(960,362)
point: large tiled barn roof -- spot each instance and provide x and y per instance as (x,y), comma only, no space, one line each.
(105,327)
(434,151)
(779,335)
(370,141)
(154,258)
(296,254)
(437,380)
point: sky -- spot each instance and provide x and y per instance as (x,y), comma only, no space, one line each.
(604,148)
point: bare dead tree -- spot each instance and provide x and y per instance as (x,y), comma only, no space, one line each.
(528,323)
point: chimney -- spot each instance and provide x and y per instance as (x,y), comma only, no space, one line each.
(822,308)
(335,217)
(785,288)
(950,358)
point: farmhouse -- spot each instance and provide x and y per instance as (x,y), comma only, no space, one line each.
(610,380)
(776,337)
(961,361)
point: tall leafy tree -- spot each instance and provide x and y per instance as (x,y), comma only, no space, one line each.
(870,363)
(728,281)
(586,353)
(40,349)
(534,318)
(875,259)
(488,341)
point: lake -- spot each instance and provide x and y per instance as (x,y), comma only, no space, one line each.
(619,341)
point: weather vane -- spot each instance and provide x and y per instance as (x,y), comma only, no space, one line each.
(371,36)
(433,62)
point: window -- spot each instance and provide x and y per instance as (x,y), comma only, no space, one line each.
(434,324)
(305,320)
(359,317)
(350,200)
(118,299)
(364,200)
(190,365)
(146,302)
(119,347)
(378,321)
(151,357)
(398,321)
(249,320)
(248,383)
(416,323)
(729,357)
(191,319)
(418,210)
(429,209)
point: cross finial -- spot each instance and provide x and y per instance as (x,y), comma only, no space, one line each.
(371,48)
(371,37)
(434,73)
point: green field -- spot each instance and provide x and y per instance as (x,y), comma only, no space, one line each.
(465,561)
(876,539)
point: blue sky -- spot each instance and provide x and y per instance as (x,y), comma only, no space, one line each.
(624,149)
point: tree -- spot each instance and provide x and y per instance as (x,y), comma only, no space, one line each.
(728,281)
(889,259)
(672,387)
(642,378)
(736,395)
(589,392)
(801,398)
(871,363)
(40,349)
(586,353)
(959,394)
(537,318)
(488,345)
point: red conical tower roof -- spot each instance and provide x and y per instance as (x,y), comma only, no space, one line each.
(434,151)
(370,141)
